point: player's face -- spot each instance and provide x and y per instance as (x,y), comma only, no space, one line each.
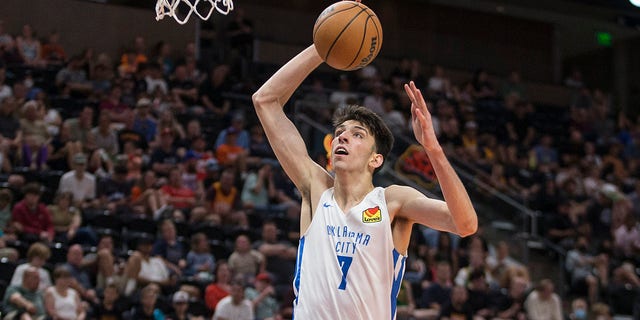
(352,145)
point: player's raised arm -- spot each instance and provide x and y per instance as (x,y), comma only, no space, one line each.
(281,132)
(456,214)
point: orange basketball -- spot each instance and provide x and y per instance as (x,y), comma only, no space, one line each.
(347,35)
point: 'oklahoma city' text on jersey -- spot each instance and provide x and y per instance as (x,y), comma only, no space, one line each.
(347,265)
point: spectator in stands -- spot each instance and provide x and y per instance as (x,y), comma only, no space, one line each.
(143,123)
(574,80)
(114,191)
(61,300)
(259,147)
(37,255)
(480,295)
(73,78)
(375,99)
(104,135)
(143,269)
(155,81)
(500,261)
(582,266)
(31,218)
(262,297)
(519,128)
(627,238)
(201,263)
(169,249)
(230,153)
(104,262)
(5,89)
(437,293)
(221,287)
(80,127)
(622,291)
(24,300)
(392,117)
(34,150)
(245,261)
(546,153)
(458,307)
(212,89)
(279,256)
(439,85)
(343,96)
(164,158)
(476,262)
(102,78)
(147,308)
(66,218)
(561,228)
(183,89)
(483,88)
(176,193)
(224,200)
(6,201)
(235,305)
(510,304)
(513,86)
(237,125)
(524,179)
(30,48)
(579,309)
(5,37)
(543,303)
(112,103)
(80,278)
(79,182)
(146,193)
(180,303)
(111,306)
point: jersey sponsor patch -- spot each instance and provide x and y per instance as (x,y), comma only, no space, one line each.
(372,215)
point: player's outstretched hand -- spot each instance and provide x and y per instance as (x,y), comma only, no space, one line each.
(421,119)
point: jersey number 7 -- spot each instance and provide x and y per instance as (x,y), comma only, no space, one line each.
(345,264)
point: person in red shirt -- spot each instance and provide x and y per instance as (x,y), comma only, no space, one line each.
(177,194)
(31,218)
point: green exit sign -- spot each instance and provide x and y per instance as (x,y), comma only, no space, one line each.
(604,39)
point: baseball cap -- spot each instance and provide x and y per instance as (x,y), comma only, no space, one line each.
(180,296)
(263,276)
(212,165)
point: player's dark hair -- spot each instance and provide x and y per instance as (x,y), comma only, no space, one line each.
(371,121)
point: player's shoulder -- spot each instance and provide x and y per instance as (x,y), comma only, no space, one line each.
(395,191)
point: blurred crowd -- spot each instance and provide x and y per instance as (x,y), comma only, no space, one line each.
(142,186)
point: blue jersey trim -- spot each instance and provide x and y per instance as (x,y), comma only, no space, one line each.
(296,278)
(398,273)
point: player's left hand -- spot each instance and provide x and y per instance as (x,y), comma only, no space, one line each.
(421,119)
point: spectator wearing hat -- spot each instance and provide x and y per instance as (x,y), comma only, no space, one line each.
(180,303)
(114,191)
(164,156)
(31,218)
(230,153)
(79,182)
(237,123)
(262,297)
(143,123)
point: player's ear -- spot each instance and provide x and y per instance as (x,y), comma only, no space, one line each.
(376,160)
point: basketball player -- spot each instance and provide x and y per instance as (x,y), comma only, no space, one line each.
(354,236)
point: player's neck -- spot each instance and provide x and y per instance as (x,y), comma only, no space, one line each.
(349,191)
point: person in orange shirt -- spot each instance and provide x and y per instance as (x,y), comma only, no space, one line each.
(230,154)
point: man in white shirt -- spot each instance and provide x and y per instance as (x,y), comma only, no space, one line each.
(79,182)
(543,303)
(234,306)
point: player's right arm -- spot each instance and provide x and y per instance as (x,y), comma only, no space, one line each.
(283,136)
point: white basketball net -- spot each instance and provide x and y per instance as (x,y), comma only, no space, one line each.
(181,10)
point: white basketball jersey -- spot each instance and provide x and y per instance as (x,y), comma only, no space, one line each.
(347,266)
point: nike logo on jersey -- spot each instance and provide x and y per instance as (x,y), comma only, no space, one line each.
(326,205)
